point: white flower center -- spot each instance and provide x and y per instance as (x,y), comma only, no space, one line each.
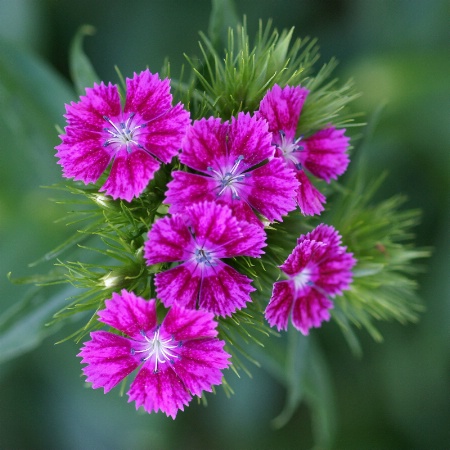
(230,179)
(123,134)
(291,149)
(205,257)
(302,279)
(158,349)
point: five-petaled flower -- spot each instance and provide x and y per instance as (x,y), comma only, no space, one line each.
(133,140)
(178,359)
(323,154)
(199,239)
(318,268)
(232,161)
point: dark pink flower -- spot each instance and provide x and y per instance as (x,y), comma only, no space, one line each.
(318,268)
(133,140)
(178,359)
(232,161)
(199,239)
(323,154)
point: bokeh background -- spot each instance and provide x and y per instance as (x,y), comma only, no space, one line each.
(397,395)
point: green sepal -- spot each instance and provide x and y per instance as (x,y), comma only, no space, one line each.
(379,234)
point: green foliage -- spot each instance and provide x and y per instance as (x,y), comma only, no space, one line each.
(380,237)
(237,81)
(27,118)
(223,16)
(327,102)
(110,235)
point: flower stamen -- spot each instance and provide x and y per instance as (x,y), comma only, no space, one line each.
(289,148)
(229,179)
(124,134)
(159,348)
(204,257)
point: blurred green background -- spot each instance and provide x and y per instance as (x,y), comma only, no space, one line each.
(397,396)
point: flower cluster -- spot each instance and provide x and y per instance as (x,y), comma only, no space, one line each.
(233,179)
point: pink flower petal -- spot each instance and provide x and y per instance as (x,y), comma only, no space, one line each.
(201,364)
(82,155)
(248,137)
(186,189)
(205,144)
(304,253)
(209,143)
(335,274)
(148,94)
(167,241)
(280,305)
(310,310)
(130,174)
(243,211)
(250,241)
(271,189)
(164,134)
(129,314)
(179,285)
(224,290)
(215,227)
(309,199)
(281,107)
(324,153)
(109,359)
(212,223)
(162,390)
(88,113)
(185,324)
(323,233)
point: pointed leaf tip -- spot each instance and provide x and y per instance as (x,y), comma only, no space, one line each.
(81,69)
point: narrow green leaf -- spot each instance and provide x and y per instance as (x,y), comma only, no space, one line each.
(296,366)
(81,70)
(23,326)
(320,399)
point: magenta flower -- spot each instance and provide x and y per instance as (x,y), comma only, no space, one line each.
(318,268)
(198,240)
(232,159)
(323,154)
(178,359)
(133,140)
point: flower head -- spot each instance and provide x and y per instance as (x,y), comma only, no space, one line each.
(318,268)
(232,161)
(199,239)
(179,358)
(323,154)
(133,140)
